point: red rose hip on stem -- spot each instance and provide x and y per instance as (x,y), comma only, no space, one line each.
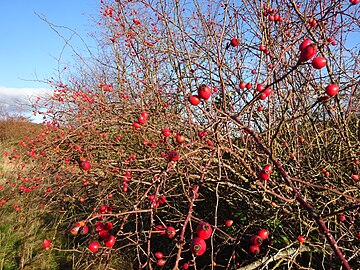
(94,246)
(263,175)
(170,232)
(198,246)
(110,241)
(268,169)
(263,233)
(194,100)
(204,230)
(85,165)
(173,155)
(301,239)
(46,244)
(332,90)
(234,42)
(304,44)
(204,91)
(318,62)
(254,249)
(161,262)
(166,132)
(229,223)
(307,53)
(256,240)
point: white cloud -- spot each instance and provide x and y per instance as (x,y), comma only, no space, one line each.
(22,92)
(19,100)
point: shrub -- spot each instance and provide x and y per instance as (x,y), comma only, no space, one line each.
(123,111)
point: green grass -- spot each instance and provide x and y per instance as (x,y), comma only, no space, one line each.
(21,236)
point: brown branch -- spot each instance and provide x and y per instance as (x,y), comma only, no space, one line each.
(289,252)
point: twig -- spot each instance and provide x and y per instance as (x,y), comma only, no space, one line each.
(289,252)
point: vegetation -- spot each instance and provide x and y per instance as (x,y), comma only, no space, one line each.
(195,113)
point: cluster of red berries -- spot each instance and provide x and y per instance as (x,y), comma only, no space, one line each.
(307,52)
(257,240)
(126,180)
(104,235)
(198,244)
(160,258)
(204,92)
(265,92)
(79,227)
(141,120)
(156,201)
(272,15)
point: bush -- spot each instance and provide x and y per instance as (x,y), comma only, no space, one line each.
(124,154)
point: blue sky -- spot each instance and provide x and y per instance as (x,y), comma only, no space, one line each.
(29,48)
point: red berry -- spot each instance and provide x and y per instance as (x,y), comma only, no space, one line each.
(354,2)
(304,44)
(103,234)
(85,165)
(142,120)
(341,218)
(262,96)
(180,138)
(170,232)
(159,255)
(318,62)
(108,226)
(110,241)
(46,244)
(173,155)
(358,235)
(263,233)
(263,175)
(145,115)
(204,230)
(136,125)
(204,91)
(235,42)
(242,85)
(166,132)
(256,240)
(161,262)
(307,53)
(301,239)
(84,230)
(267,91)
(260,87)
(229,223)
(194,100)
(254,249)
(332,90)
(94,246)
(267,168)
(198,246)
